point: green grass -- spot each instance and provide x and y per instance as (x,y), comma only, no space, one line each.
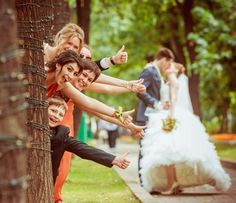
(226,150)
(90,182)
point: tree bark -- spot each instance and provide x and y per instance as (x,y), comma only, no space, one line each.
(13,135)
(61,14)
(83,18)
(31,34)
(194,78)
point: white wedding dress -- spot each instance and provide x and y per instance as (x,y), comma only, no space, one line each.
(187,146)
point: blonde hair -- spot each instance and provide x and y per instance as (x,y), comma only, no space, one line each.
(57,102)
(68,31)
(180,68)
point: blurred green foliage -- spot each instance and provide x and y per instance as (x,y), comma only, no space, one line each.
(145,25)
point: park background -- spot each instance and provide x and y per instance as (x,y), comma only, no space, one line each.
(201,34)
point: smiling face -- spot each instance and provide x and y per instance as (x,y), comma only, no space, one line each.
(71,44)
(66,73)
(84,80)
(55,114)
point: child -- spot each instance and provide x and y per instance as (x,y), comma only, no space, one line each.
(61,141)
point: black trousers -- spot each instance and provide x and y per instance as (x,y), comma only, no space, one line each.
(141,123)
(112,134)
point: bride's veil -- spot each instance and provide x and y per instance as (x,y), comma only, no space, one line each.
(183,98)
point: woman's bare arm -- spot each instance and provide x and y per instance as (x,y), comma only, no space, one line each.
(136,130)
(174,86)
(134,85)
(107,89)
(84,101)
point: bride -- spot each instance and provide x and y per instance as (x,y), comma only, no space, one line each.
(183,156)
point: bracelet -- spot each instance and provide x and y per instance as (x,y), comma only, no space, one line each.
(112,61)
(118,114)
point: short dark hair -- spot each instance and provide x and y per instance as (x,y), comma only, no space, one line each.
(92,66)
(63,58)
(165,53)
(57,102)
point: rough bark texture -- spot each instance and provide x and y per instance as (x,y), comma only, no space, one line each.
(31,34)
(194,78)
(12,111)
(83,18)
(61,14)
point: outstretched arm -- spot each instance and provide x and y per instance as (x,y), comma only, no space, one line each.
(84,101)
(119,58)
(136,130)
(134,85)
(107,89)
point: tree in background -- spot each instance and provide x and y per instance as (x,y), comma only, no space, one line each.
(201,34)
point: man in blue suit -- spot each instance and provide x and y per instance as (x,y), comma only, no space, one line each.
(152,81)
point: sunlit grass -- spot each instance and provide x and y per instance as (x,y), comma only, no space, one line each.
(226,150)
(89,182)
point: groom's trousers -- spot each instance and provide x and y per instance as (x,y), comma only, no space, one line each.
(141,123)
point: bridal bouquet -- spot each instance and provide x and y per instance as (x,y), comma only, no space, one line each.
(168,124)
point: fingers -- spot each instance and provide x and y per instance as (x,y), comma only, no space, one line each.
(130,112)
(122,49)
(125,155)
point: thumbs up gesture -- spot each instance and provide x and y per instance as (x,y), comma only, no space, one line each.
(121,56)
(121,161)
(136,86)
(127,118)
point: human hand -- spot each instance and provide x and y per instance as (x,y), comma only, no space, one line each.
(136,86)
(121,161)
(166,105)
(136,130)
(127,118)
(121,56)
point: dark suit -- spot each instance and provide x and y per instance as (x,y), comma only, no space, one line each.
(61,142)
(152,82)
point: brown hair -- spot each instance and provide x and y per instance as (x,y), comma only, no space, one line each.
(57,102)
(180,68)
(92,66)
(165,53)
(63,58)
(68,31)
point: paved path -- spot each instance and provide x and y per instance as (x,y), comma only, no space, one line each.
(203,194)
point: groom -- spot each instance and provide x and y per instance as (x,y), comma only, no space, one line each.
(152,80)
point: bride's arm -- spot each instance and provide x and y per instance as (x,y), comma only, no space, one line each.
(174,86)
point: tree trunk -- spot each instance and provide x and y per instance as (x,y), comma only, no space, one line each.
(83,15)
(83,18)
(194,79)
(61,14)
(31,34)
(12,111)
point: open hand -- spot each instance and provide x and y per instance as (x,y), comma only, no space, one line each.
(121,56)
(121,161)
